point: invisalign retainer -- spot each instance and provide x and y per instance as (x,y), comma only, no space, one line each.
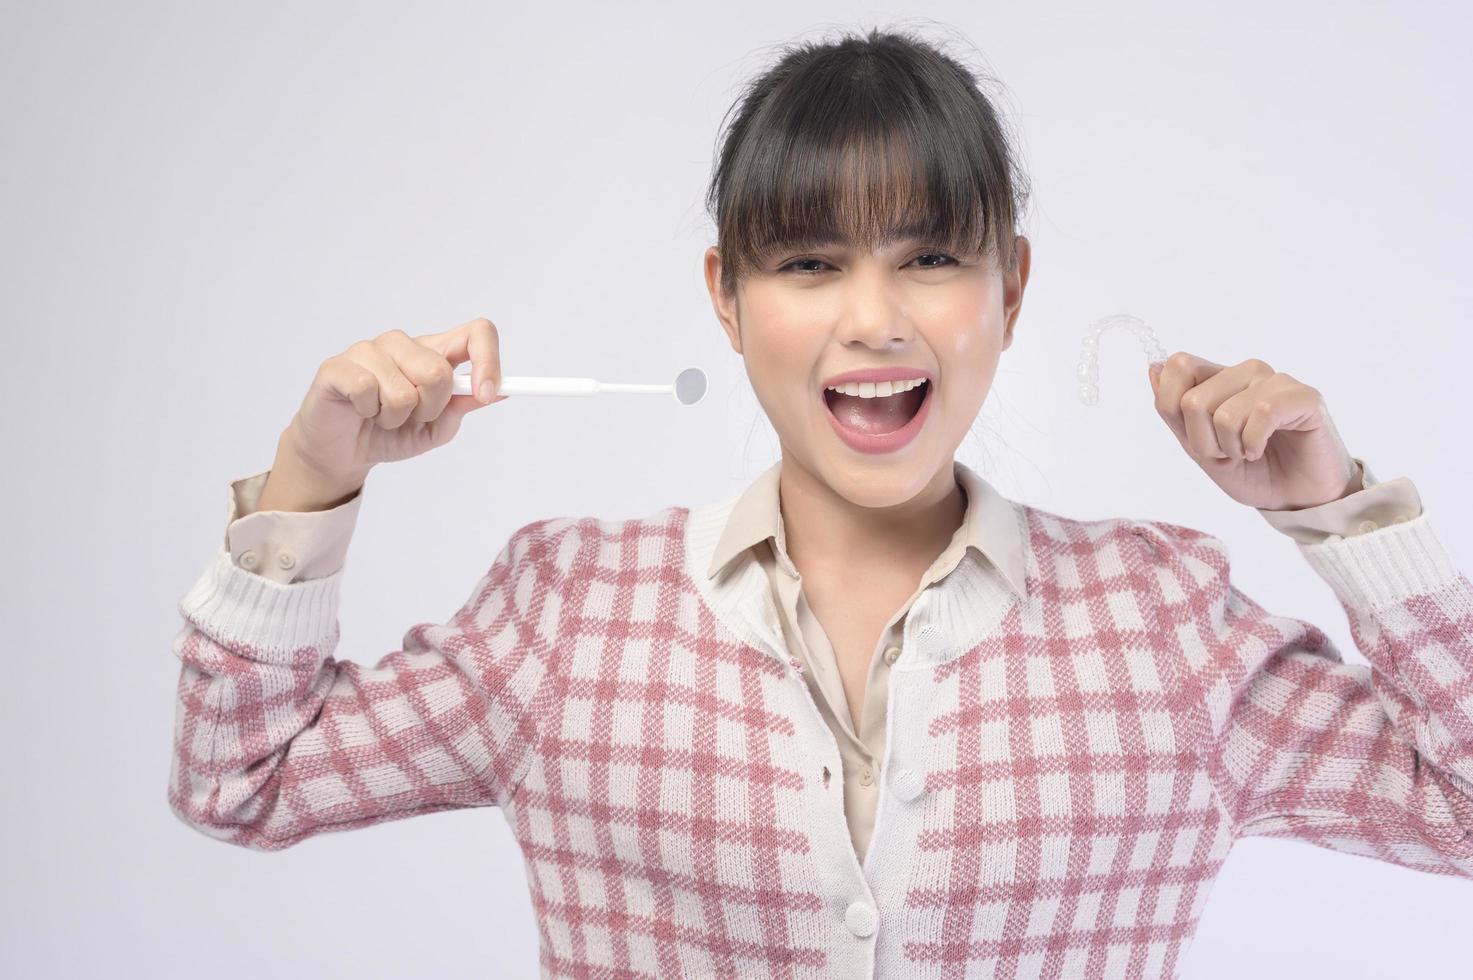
(1089,356)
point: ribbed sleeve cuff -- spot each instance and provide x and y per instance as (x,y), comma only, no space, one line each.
(258,617)
(1383,566)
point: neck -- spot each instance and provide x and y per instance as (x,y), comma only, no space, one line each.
(828,533)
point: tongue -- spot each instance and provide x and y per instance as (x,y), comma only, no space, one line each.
(876,416)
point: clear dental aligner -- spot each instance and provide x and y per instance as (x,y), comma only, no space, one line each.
(1089,356)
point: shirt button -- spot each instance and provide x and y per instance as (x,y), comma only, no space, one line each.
(860,918)
(1400,519)
(866,776)
(908,784)
(285,559)
(247,559)
(1368,526)
(892,655)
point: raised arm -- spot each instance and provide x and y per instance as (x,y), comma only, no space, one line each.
(1373,760)
(276,740)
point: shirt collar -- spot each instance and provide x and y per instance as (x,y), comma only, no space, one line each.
(990,526)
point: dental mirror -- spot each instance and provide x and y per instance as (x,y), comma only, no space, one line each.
(689,386)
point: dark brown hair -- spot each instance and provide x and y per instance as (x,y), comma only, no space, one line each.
(864,140)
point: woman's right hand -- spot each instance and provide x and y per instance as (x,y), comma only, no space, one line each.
(379,401)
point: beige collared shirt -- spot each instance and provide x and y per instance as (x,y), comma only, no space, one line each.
(988,533)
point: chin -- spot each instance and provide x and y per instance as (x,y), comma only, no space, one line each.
(883,482)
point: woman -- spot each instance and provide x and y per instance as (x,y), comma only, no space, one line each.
(868,717)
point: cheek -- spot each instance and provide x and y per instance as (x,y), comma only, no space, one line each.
(779,365)
(779,342)
(776,354)
(968,325)
(968,344)
(977,348)
(968,360)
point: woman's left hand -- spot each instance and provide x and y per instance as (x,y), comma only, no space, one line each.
(1264,437)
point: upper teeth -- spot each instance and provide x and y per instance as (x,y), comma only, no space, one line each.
(876,389)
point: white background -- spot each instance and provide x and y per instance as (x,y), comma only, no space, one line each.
(201,202)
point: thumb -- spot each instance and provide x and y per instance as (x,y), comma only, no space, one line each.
(447,423)
(460,406)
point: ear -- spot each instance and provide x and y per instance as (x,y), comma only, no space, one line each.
(725,304)
(1014,281)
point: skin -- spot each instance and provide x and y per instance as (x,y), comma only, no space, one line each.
(892,514)
(796,326)
(1263,436)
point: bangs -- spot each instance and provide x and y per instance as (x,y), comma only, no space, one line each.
(868,193)
(864,153)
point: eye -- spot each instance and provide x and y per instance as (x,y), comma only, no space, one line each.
(936,255)
(924,255)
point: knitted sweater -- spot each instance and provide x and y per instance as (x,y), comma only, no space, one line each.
(1064,775)
(755,532)
(289,546)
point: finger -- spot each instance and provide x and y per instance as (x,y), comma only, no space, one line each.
(397,395)
(484,345)
(1226,398)
(1179,374)
(444,427)
(427,370)
(1203,386)
(1241,419)
(1279,400)
(346,378)
(477,341)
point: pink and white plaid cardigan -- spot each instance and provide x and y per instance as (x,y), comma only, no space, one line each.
(1065,772)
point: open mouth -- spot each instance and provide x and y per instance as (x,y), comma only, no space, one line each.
(877,416)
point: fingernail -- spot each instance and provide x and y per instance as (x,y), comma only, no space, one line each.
(487,391)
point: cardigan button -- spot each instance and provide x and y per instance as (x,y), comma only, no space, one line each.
(908,784)
(860,918)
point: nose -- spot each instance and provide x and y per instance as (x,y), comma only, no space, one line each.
(872,312)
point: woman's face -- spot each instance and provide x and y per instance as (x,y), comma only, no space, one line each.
(805,316)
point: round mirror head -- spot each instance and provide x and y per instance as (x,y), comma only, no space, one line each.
(690,386)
